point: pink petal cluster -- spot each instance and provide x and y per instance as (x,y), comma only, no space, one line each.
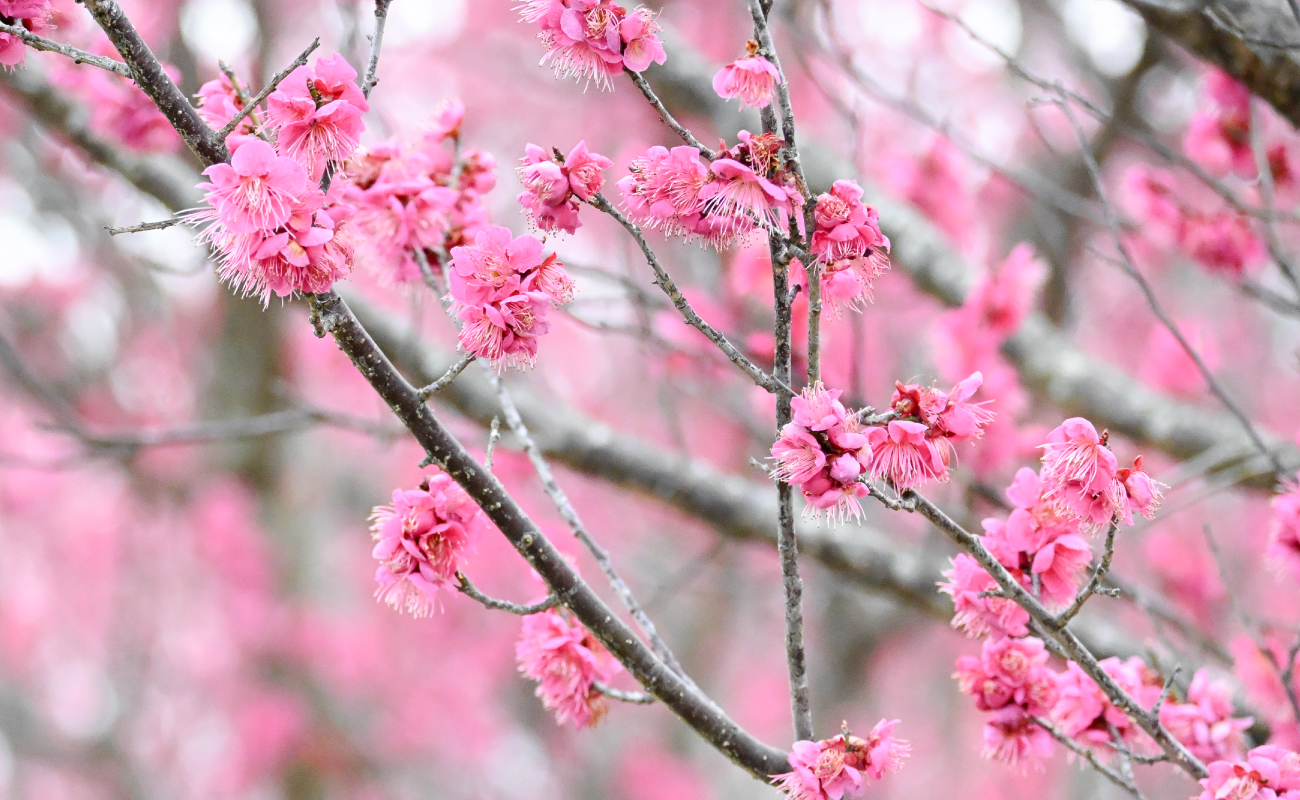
(501,288)
(1284,539)
(753,79)
(594,40)
(745,189)
(219,102)
(1082,477)
(974,612)
(34,15)
(1222,241)
(1011,680)
(822,452)
(832,769)
(848,243)
(918,445)
(1267,773)
(317,113)
(1036,535)
(566,659)
(555,186)
(274,229)
(1084,713)
(1205,723)
(420,542)
(1218,137)
(418,198)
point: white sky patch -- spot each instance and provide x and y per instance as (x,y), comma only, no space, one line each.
(219,29)
(429,23)
(35,245)
(996,22)
(1111,34)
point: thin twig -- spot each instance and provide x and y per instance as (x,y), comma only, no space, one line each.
(1089,756)
(376,42)
(1080,654)
(251,105)
(494,436)
(447,377)
(664,281)
(667,117)
(161,224)
(561,502)
(467,588)
(77,55)
(1126,263)
(1098,577)
(639,698)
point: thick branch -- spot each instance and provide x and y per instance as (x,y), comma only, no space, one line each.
(148,73)
(333,316)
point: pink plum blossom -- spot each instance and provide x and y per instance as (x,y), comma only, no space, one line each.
(257,190)
(33,15)
(501,288)
(420,542)
(1284,536)
(1205,723)
(832,769)
(565,659)
(317,110)
(822,452)
(977,614)
(752,79)
(594,40)
(553,190)
(849,244)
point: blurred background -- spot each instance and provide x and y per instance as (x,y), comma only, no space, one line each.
(186,583)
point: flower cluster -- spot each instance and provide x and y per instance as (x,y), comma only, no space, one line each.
(1222,242)
(831,769)
(1284,541)
(275,230)
(219,103)
(34,15)
(747,188)
(1205,723)
(418,198)
(501,288)
(826,451)
(848,243)
(1218,136)
(566,660)
(594,40)
(420,542)
(1083,478)
(1266,773)
(555,185)
(753,79)
(316,111)
(1011,680)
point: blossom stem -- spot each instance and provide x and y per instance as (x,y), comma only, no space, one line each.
(692,706)
(78,56)
(1098,577)
(467,588)
(667,117)
(1148,722)
(250,105)
(571,518)
(640,698)
(1087,755)
(376,42)
(161,224)
(447,377)
(664,281)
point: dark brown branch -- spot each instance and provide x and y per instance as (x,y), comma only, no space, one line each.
(147,72)
(332,316)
